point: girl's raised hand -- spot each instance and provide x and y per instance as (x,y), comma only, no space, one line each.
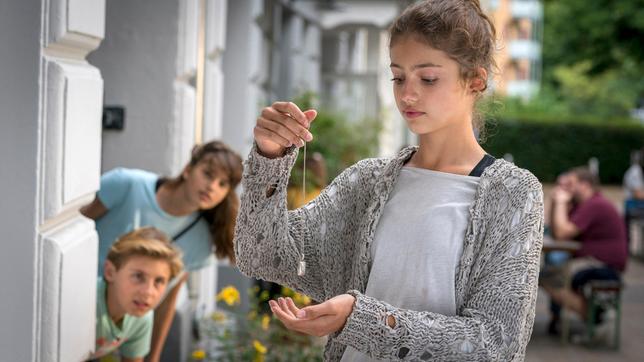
(282,125)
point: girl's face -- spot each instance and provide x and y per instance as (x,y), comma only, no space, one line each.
(428,88)
(204,186)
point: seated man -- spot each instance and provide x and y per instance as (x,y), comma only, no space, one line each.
(594,222)
(137,270)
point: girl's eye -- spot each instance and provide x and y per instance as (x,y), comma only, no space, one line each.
(223,183)
(397,80)
(429,80)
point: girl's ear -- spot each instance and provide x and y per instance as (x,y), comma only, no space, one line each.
(478,83)
(186,172)
(109,271)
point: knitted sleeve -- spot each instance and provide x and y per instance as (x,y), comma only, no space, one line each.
(497,314)
(270,241)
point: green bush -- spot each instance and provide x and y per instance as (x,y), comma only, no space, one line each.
(548,146)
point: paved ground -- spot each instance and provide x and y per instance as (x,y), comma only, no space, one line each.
(546,348)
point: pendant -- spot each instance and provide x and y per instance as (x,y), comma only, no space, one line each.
(301,268)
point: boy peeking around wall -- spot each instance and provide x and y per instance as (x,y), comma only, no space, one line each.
(137,271)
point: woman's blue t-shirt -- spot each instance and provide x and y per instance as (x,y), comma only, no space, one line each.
(130,197)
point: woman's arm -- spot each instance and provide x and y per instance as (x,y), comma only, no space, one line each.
(496,320)
(94,210)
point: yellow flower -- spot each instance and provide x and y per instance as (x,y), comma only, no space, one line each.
(218,316)
(259,347)
(265,322)
(109,358)
(230,295)
(287,292)
(199,354)
(301,299)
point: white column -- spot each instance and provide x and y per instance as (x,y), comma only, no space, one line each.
(216,12)
(245,69)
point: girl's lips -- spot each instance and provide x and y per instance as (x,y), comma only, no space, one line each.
(204,197)
(413,114)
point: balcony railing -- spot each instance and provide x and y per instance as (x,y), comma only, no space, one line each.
(522,88)
(524,49)
(531,9)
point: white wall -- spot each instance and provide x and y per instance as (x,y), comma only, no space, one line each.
(138,60)
(19,128)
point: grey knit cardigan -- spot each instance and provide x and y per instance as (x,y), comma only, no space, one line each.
(496,278)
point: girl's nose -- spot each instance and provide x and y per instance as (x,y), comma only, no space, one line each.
(409,94)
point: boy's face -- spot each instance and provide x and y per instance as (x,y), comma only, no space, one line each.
(137,286)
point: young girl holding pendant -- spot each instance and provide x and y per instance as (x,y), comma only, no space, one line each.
(197,209)
(430,255)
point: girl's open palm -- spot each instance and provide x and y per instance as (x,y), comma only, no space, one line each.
(317,320)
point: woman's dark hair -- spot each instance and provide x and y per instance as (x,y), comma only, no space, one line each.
(221,219)
(460,28)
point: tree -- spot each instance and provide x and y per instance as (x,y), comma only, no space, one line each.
(593,57)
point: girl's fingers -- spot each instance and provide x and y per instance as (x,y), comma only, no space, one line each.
(278,311)
(261,132)
(280,129)
(310,115)
(285,307)
(287,120)
(292,307)
(286,318)
(292,109)
(315,327)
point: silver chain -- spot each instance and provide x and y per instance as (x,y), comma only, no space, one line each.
(301,268)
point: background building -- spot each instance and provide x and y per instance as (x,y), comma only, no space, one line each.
(519,26)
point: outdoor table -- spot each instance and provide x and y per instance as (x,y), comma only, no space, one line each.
(550,244)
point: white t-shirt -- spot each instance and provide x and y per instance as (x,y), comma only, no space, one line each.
(418,243)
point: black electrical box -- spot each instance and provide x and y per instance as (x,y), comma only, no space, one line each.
(113,117)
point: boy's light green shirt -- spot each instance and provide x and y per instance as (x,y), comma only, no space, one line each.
(132,339)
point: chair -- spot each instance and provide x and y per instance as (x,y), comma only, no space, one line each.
(603,296)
